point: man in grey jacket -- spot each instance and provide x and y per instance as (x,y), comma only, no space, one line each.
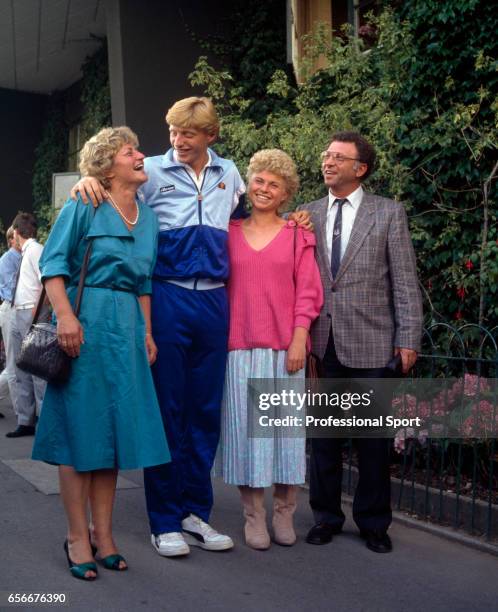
(372,312)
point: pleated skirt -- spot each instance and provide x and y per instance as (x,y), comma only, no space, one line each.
(256,461)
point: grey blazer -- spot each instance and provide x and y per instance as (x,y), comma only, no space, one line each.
(375,302)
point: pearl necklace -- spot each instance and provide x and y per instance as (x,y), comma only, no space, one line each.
(121,212)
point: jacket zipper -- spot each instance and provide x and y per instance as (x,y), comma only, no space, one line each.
(199,193)
(199,202)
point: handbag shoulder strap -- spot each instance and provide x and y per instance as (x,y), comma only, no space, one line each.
(39,305)
(81,284)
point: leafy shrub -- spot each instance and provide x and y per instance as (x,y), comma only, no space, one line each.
(51,152)
(425,94)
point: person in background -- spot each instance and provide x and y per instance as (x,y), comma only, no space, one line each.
(29,389)
(9,266)
(106,416)
(274,293)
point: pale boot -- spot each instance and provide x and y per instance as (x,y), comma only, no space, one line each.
(255,530)
(284,506)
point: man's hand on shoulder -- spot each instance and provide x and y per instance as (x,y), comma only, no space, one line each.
(90,189)
(302,218)
(408,358)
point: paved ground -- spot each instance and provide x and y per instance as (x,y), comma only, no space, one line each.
(423,572)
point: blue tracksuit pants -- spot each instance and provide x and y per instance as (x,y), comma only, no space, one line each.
(190,329)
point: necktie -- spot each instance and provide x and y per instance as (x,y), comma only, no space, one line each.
(16,282)
(335,259)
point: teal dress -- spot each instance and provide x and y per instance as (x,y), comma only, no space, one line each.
(107,414)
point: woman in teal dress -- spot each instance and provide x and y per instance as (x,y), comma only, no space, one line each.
(106,417)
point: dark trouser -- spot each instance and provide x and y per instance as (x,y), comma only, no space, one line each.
(372,500)
(190,329)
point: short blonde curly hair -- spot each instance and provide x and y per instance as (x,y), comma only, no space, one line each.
(279,163)
(97,154)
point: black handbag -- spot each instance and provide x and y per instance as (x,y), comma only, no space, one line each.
(40,353)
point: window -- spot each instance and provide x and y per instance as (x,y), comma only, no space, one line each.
(353,12)
(302,18)
(303,15)
(342,13)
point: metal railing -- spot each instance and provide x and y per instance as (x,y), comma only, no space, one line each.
(450,481)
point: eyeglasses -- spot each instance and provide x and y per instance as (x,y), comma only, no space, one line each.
(338,158)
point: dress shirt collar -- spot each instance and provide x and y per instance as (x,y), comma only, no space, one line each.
(26,244)
(354,198)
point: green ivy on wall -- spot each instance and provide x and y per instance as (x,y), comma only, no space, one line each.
(52,151)
(425,94)
(250,48)
(96,94)
(51,156)
(3,243)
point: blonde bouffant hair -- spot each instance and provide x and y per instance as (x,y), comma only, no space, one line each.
(279,163)
(98,153)
(195,112)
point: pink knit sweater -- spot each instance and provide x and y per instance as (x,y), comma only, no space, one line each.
(266,303)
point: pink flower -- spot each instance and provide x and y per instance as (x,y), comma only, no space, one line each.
(474,384)
(400,438)
(405,406)
(423,434)
(467,427)
(483,422)
(424,410)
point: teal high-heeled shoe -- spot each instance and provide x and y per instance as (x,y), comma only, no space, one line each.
(111,562)
(79,570)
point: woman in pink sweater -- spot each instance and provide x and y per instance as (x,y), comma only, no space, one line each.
(275,293)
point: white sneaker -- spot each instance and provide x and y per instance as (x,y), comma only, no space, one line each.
(171,544)
(199,533)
